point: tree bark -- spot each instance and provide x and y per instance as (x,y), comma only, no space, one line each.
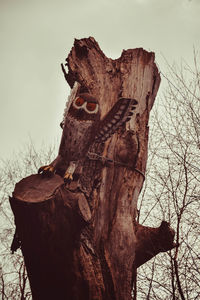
(82,241)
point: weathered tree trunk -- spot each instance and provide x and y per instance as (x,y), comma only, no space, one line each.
(82,241)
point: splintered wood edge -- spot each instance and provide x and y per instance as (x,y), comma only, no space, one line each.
(37,188)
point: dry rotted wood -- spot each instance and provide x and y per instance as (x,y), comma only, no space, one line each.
(86,232)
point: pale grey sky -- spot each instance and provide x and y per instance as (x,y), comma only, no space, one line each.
(37,35)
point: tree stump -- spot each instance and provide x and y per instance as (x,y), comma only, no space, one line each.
(82,241)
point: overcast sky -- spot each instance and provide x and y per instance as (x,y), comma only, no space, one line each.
(37,35)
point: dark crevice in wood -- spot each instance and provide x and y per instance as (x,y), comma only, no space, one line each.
(107,276)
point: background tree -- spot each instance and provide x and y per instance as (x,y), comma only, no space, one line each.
(13,277)
(172,186)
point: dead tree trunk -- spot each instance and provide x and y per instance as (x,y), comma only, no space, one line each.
(82,241)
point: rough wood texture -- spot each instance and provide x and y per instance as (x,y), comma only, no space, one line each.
(81,241)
